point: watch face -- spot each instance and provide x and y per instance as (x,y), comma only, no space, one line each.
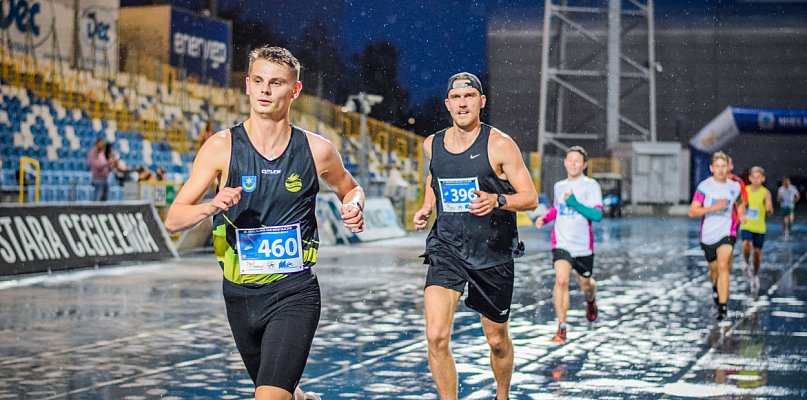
(502,200)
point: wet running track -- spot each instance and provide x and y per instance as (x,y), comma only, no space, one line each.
(159,330)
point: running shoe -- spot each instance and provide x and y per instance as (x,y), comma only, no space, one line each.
(560,337)
(591,310)
(755,283)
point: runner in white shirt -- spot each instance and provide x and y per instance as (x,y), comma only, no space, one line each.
(577,202)
(787,196)
(714,201)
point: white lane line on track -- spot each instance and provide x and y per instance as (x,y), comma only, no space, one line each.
(592,335)
(420,342)
(411,344)
(154,371)
(211,321)
(144,335)
(733,328)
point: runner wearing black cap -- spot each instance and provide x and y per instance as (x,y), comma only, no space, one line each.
(477,181)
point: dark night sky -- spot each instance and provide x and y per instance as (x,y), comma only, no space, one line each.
(437,38)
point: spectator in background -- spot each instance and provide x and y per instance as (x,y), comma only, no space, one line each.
(118,166)
(144,174)
(159,173)
(100,167)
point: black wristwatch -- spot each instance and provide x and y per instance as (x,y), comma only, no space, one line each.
(501,200)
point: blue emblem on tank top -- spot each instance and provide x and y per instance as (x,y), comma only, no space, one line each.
(249,183)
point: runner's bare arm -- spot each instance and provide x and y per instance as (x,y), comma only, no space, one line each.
(422,215)
(741,212)
(330,167)
(504,152)
(184,212)
(769,203)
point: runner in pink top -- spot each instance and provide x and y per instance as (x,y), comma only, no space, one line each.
(714,202)
(577,202)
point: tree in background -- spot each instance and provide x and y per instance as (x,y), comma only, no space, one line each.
(378,66)
(248,34)
(323,72)
(430,116)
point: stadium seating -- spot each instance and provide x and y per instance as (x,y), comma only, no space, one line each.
(151,126)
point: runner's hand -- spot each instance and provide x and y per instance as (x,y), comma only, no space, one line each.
(422,217)
(483,204)
(353,217)
(719,205)
(539,222)
(225,199)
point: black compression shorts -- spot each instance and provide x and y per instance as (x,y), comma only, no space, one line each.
(273,326)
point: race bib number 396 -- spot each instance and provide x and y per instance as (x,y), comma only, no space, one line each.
(270,250)
(456,193)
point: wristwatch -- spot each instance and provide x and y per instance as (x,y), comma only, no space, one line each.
(501,200)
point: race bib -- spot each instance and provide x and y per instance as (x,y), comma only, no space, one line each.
(456,193)
(566,211)
(726,211)
(752,213)
(270,250)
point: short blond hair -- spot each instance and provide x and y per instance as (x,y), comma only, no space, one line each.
(276,55)
(757,169)
(719,155)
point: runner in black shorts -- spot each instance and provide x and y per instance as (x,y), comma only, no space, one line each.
(718,202)
(477,180)
(576,203)
(265,228)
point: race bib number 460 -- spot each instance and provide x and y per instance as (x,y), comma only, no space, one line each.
(270,250)
(456,193)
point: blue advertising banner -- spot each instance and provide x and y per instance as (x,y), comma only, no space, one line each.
(759,120)
(201,46)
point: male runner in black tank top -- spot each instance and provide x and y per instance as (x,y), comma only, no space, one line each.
(265,233)
(477,180)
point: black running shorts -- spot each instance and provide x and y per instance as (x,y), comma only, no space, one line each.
(490,290)
(710,250)
(584,265)
(273,326)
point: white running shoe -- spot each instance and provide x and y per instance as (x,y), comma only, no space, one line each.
(755,283)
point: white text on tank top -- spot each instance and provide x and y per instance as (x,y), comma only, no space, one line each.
(718,224)
(572,231)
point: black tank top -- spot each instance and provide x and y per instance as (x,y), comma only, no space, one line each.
(475,242)
(275,192)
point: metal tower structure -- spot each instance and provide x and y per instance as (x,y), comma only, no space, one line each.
(594,27)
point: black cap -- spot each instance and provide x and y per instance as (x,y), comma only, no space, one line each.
(473,82)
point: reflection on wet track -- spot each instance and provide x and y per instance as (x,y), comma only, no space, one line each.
(159,330)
